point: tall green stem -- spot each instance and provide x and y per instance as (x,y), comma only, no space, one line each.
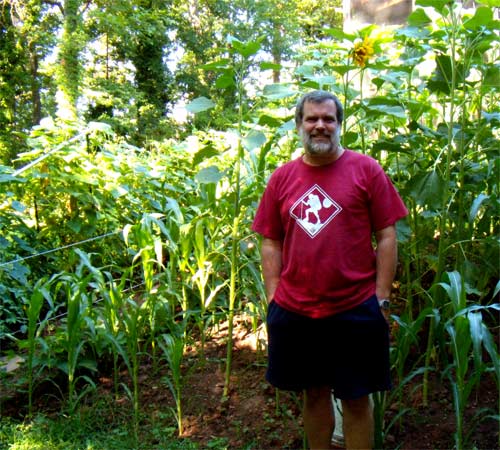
(443,219)
(450,139)
(234,239)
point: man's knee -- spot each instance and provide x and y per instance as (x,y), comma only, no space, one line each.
(317,395)
(357,407)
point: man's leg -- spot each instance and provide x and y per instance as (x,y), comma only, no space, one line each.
(358,423)
(318,417)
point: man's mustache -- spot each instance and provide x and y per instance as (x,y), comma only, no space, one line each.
(320,134)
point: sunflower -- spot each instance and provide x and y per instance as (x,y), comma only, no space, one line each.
(362,51)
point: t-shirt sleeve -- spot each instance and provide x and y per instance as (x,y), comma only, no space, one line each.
(267,221)
(386,205)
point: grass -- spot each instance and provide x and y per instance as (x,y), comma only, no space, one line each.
(95,427)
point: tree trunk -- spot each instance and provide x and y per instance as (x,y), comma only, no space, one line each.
(276,51)
(35,85)
(276,72)
(70,66)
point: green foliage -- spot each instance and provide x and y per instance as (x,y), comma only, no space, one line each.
(140,247)
(90,428)
(468,336)
(173,348)
(69,73)
(35,328)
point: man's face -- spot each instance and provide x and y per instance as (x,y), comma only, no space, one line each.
(319,130)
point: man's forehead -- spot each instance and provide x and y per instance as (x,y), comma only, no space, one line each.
(325,105)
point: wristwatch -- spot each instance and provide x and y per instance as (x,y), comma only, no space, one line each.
(385,304)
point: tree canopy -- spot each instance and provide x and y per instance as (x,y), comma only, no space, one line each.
(129,63)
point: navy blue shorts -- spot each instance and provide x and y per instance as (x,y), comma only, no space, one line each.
(348,351)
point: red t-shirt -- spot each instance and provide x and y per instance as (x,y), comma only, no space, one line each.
(325,217)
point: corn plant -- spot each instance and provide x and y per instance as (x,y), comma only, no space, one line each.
(76,328)
(231,72)
(242,52)
(35,328)
(381,400)
(133,317)
(468,335)
(202,267)
(113,302)
(148,239)
(453,138)
(406,338)
(173,348)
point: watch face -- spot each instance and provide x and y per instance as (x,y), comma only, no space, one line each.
(385,305)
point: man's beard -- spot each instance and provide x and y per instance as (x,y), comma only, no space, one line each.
(320,148)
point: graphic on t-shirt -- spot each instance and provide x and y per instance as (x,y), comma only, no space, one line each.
(314,210)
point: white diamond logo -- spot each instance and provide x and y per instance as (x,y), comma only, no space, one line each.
(314,210)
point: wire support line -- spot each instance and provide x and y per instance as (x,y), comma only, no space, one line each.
(46,252)
(46,155)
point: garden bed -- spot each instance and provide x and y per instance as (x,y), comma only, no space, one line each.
(254,415)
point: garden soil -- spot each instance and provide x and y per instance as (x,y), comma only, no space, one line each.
(255,416)
(255,413)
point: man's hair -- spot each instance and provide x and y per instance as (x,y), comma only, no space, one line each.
(317,97)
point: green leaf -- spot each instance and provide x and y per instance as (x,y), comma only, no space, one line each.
(323,80)
(221,64)
(19,273)
(476,328)
(308,68)
(492,79)
(225,80)
(491,3)
(342,70)
(74,225)
(497,289)
(18,206)
(254,139)
(270,121)
(4,243)
(413,32)
(269,66)
(476,204)
(395,78)
(481,18)
(7,178)
(100,126)
(428,189)
(442,76)
(418,18)
(278,91)
(173,205)
(438,5)
(245,49)
(36,303)
(199,240)
(204,153)
(455,290)
(395,111)
(209,175)
(89,364)
(118,191)
(287,126)
(339,34)
(126,231)
(199,104)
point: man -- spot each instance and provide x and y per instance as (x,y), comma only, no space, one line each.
(328,288)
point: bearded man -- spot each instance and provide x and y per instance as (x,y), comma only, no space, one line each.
(328,288)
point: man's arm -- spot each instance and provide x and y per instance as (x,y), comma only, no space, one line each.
(387,255)
(271,265)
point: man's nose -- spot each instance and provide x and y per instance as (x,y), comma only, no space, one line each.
(320,123)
